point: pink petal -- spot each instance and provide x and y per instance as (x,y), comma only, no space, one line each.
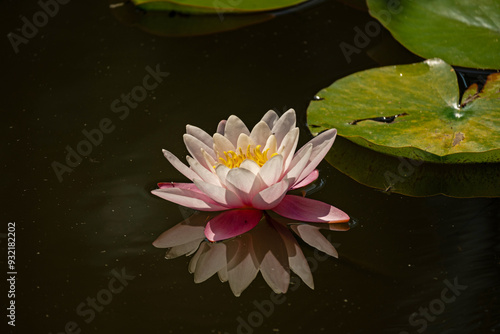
(185,170)
(232,223)
(235,127)
(220,195)
(284,125)
(169,185)
(309,210)
(321,145)
(194,146)
(272,196)
(313,176)
(192,199)
(270,118)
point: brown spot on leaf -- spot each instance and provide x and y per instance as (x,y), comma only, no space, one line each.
(459,136)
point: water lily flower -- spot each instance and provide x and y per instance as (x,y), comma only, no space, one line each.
(243,173)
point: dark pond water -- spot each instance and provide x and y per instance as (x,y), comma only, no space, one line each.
(435,256)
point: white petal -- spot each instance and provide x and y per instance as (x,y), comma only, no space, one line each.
(221,127)
(299,162)
(221,195)
(201,135)
(235,127)
(185,170)
(288,146)
(271,145)
(210,161)
(251,166)
(244,184)
(260,133)
(321,145)
(284,125)
(221,171)
(194,146)
(203,173)
(271,171)
(222,144)
(268,198)
(244,141)
(270,118)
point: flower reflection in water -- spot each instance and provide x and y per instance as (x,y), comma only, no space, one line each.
(270,248)
(245,176)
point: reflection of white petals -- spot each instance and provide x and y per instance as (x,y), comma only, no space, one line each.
(243,267)
(271,254)
(313,237)
(194,260)
(270,248)
(296,259)
(184,249)
(190,229)
(210,262)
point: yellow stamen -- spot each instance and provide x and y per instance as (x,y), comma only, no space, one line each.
(234,160)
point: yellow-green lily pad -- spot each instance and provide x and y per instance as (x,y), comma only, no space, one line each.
(413,111)
(216,6)
(461,32)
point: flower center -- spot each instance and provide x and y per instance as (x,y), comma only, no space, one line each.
(234,159)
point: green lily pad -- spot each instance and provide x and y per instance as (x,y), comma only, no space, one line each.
(423,102)
(216,6)
(461,32)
